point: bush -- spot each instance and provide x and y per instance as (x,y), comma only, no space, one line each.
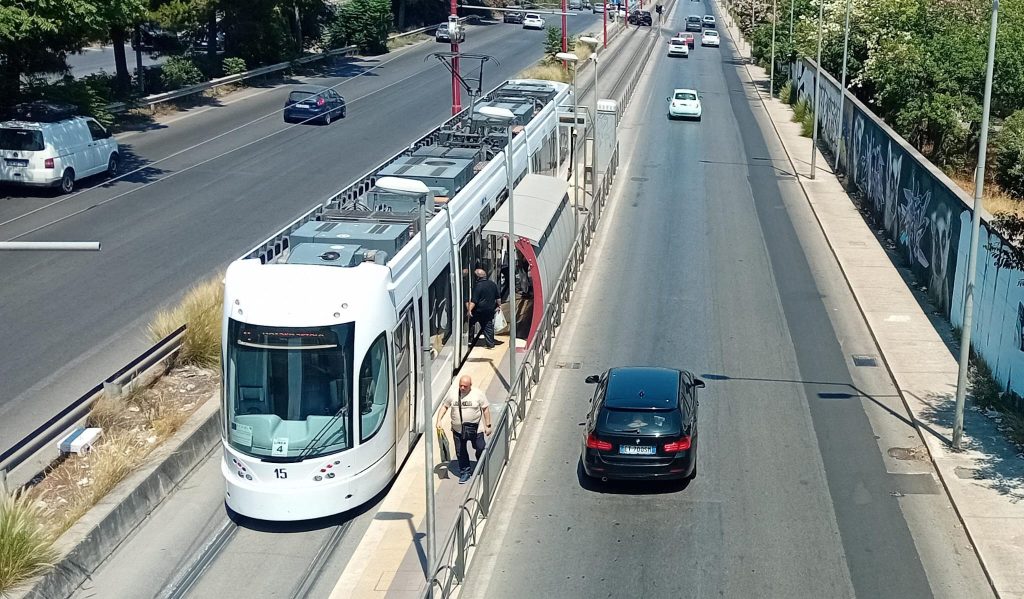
(1009,167)
(786,93)
(179,72)
(234,66)
(800,110)
(201,310)
(807,123)
(362,23)
(26,545)
(90,94)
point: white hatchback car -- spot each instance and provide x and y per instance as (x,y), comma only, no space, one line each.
(684,103)
(533,21)
(709,38)
(55,149)
(677,46)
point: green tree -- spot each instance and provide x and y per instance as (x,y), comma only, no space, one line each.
(36,36)
(120,16)
(362,23)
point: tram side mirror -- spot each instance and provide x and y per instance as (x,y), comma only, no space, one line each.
(593,379)
(698,384)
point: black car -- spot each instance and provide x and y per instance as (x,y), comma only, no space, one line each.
(694,23)
(514,16)
(642,424)
(313,102)
(640,17)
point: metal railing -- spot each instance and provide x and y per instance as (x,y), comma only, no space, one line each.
(154,99)
(38,447)
(456,551)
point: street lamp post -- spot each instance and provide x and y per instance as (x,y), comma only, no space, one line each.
(979,185)
(771,77)
(417,189)
(842,90)
(570,57)
(593,170)
(504,115)
(817,87)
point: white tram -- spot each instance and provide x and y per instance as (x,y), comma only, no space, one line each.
(320,343)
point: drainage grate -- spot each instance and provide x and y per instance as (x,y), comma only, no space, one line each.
(862,360)
(568,365)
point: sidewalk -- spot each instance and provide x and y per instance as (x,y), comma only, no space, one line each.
(985,482)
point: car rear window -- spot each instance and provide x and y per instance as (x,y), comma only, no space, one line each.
(694,19)
(644,422)
(22,140)
(302,97)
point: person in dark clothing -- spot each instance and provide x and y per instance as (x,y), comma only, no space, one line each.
(482,305)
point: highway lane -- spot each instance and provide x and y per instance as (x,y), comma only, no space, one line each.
(709,259)
(95,59)
(74,318)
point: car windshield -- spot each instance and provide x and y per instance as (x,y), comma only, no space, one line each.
(678,41)
(685,96)
(21,140)
(532,16)
(711,33)
(288,391)
(649,422)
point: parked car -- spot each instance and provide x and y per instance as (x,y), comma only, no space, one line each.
(709,38)
(443,34)
(533,21)
(641,17)
(677,46)
(684,103)
(314,102)
(151,38)
(642,425)
(694,23)
(598,8)
(514,16)
(49,145)
(709,21)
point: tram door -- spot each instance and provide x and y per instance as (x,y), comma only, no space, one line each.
(404,340)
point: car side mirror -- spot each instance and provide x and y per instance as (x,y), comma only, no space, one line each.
(668,99)
(593,379)
(698,384)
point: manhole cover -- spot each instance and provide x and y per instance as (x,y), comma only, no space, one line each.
(864,360)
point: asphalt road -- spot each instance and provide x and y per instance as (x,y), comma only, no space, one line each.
(94,60)
(708,260)
(210,186)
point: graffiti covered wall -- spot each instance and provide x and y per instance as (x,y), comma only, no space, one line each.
(929,218)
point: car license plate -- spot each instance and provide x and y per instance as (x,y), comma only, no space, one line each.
(16,162)
(636,449)
(302,105)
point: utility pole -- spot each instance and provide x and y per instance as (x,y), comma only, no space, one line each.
(138,60)
(771,77)
(979,186)
(817,87)
(456,93)
(565,34)
(842,90)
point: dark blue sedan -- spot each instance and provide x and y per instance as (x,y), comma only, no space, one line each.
(313,102)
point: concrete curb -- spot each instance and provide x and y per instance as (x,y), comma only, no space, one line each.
(874,337)
(88,543)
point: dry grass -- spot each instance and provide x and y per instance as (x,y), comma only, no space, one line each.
(548,72)
(994,198)
(26,543)
(201,311)
(407,40)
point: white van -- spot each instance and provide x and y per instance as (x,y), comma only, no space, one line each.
(55,152)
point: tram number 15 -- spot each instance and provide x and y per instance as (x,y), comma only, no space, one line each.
(280,473)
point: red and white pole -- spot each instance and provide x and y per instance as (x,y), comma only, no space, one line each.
(604,15)
(456,91)
(565,38)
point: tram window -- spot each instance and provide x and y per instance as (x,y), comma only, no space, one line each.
(440,297)
(373,388)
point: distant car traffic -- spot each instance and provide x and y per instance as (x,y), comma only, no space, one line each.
(677,46)
(575,5)
(694,23)
(688,37)
(642,425)
(684,103)
(709,21)
(533,21)
(641,17)
(514,16)
(598,8)
(443,34)
(709,38)
(313,103)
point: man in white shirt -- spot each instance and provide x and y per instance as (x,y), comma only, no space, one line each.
(471,406)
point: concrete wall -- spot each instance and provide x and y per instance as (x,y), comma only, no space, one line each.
(929,217)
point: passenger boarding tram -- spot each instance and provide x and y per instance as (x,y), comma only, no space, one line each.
(321,342)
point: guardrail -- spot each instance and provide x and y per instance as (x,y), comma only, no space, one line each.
(154,99)
(456,551)
(38,448)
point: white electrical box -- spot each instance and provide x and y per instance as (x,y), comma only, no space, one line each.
(80,440)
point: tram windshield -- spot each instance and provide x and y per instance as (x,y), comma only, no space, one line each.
(288,391)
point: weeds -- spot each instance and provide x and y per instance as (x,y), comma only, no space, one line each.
(548,72)
(26,543)
(800,110)
(201,311)
(786,93)
(994,198)
(807,123)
